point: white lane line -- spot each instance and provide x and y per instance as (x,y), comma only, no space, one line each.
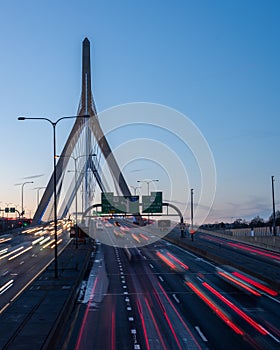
(176,299)
(151,266)
(160,278)
(200,333)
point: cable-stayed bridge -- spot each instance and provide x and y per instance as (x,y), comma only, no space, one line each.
(88,147)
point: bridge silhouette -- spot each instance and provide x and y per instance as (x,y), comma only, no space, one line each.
(86,144)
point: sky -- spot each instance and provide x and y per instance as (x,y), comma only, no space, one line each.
(215,62)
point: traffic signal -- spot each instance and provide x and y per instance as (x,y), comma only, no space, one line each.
(12,210)
(7,210)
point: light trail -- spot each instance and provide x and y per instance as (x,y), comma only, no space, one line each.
(215,308)
(242,314)
(20,253)
(255,283)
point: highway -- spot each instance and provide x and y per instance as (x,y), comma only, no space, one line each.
(23,256)
(160,296)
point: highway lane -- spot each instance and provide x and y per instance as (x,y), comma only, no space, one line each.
(24,257)
(262,309)
(168,298)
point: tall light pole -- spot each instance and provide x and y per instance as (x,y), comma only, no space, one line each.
(148,183)
(76,197)
(135,188)
(148,189)
(191,208)
(54,123)
(273,206)
(27,182)
(38,193)
(22,186)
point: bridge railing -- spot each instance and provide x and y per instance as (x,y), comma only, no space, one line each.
(261,236)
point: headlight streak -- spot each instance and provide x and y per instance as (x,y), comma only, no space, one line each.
(38,240)
(58,242)
(45,240)
(6,286)
(5,239)
(3,251)
(10,253)
(20,253)
(215,308)
(49,243)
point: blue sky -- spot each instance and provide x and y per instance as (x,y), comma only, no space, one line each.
(217,62)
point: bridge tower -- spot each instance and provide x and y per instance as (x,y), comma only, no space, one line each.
(86,138)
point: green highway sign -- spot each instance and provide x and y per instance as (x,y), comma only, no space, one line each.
(152,203)
(119,204)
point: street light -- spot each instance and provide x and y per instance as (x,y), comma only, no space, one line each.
(273,207)
(22,186)
(148,183)
(148,188)
(76,199)
(192,208)
(135,188)
(38,193)
(54,176)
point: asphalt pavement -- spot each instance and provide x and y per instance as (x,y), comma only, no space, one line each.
(36,318)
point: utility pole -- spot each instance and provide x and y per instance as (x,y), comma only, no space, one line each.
(273,206)
(191,208)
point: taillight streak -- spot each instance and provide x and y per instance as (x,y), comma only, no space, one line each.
(113,331)
(255,283)
(255,250)
(77,346)
(143,325)
(239,283)
(215,308)
(179,316)
(178,261)
(166,260)
(242,314)
(155,324)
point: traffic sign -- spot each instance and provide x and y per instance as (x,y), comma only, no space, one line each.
(119,204)
(152,203)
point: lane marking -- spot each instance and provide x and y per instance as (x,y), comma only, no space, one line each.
(201,334)
(176,299)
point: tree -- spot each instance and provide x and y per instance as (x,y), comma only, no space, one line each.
(277,218)
(257,222)
(240,223)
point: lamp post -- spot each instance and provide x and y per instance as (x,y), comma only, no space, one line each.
(27,182)
(38,193)
(148,189)
(135,188)
(54,123)
(76,197)
(148,183)
(22,186)
(192,208)
(273,206)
